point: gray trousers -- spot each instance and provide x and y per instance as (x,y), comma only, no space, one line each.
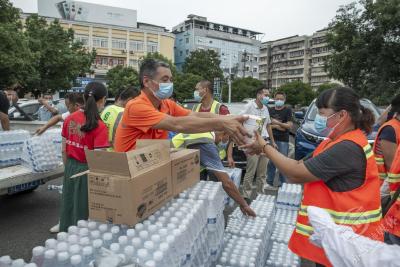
(256,165)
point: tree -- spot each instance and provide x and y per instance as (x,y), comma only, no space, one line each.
(326,86)
(365,39)
(15,56)
(121,77)
(242,88)
(297,93)
(160,57)
(184,85)
(204,63)
(58,60)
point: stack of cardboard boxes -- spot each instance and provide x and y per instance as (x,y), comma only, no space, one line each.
(126,188)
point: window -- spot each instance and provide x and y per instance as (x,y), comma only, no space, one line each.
(118,43)
(255,70)
(255,59)
(133,63)
(84,39)
(187,52)
(181,53)
(136,46)
(298,53)
(187,40)
(247,68)
(152,47)
(100,42)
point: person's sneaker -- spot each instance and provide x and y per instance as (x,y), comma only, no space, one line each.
(55,229)
(270,187)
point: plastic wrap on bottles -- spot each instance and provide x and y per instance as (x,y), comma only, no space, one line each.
(11,146)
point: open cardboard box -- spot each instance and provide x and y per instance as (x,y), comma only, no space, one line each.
(126,188)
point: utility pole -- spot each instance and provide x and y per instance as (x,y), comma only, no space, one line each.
(244,60)
(229,79)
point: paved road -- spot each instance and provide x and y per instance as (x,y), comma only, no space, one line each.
(25,220)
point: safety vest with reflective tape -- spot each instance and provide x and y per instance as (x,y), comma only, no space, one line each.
(392,217)
(380,161)
(359,208)
(184,140)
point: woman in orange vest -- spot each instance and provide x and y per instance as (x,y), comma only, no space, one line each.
(387,140)
(340,177)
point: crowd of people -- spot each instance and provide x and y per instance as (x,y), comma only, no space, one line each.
(344,176)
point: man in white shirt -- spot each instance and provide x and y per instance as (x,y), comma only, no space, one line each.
(257,164)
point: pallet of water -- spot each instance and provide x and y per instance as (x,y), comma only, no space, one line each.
(240,251)
(281,233)
(178,234)
(281,256)
(54,135)
(11,146)
(289,196)
(285,216)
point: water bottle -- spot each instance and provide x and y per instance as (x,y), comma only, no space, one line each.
(115,248)
(97,245)
(103,228)
(62,236)
(83,232)
(32,264)
(95,234)
(115,231)
(5,261)
(123,241)
(18,263)
(73,230)
(62,247)
(84,241)
(51,243)
(136,243)
(129,252)
(130,233)
(92,225)
(74,249)
(38,255)
(142,256)
(72,239)
(87,255)
(63,259)
(82,224)
(107,239)
(49,258)
(76,261)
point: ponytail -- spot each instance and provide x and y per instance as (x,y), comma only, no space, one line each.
(94,92)
(366,120)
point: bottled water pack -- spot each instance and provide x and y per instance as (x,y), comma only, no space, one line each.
(281,256)
(11,146)
(40,154)
(289,196)
(285,216)
(282,233)
(55,136)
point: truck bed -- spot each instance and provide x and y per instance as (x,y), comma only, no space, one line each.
(14,178)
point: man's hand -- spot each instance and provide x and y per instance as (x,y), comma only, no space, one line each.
(40,130)
(233,126)
(231,162)
(255,148)
(246,210)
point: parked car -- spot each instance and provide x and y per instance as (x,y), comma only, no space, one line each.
(307,138)
(27,109)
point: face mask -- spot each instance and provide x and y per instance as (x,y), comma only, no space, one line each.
(196,96)
(279,103)
(320,124)
(223,145)
(165,90)
(265,100)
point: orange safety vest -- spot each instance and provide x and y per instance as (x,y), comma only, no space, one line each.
(359,208)
(392,218)
(380,161)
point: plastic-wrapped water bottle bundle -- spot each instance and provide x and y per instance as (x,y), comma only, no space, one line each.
(11,146)
(55,136)
(7,261)
(249,227)
(241,251)
(265,198)
(235,174)
(289,196)
(282,233)
(285,216)
(176,235)
(40,154)
(281,256)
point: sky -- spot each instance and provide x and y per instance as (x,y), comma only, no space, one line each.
(274,18)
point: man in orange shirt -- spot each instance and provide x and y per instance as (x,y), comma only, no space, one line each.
(151,115)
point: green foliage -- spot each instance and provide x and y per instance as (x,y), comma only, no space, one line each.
(242,88)
(58,60)
(121,77)
(326,86)
(8,13)
(298,93)
(184,85)
(158,56)
(204,63)
(365,39)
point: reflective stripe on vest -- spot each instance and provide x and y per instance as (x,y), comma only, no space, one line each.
(380,160)
(215,106)
(394,173)
(185,140)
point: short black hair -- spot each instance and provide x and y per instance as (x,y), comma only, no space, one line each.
(259,89)
(149,68)
(75,98)
(280,93)
(395,104)
(207,84)
(126,93)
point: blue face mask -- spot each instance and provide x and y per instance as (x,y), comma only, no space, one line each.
(320,124)
(279,103)
(196,96)
(265,100)
(165,90)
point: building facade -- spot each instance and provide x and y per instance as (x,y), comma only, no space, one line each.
(238,48)
(123,43)
(295,58)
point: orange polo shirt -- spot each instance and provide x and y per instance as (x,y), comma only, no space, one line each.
(138,119)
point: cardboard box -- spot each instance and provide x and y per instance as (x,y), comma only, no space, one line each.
(125,188)
(185,168)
